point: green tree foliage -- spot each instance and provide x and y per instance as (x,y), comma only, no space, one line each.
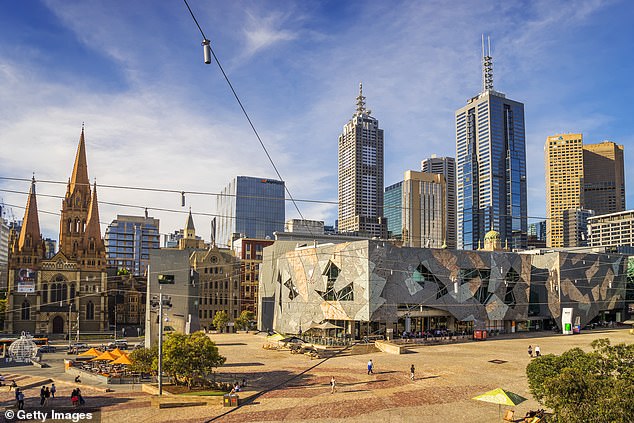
(189,359)
(596,386)
(244,321)
(220,320)
(144,360)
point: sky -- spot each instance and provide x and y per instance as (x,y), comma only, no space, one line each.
(156,116)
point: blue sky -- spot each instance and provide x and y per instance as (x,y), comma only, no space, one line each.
(156,116)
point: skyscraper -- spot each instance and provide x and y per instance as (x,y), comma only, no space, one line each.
(424,212)
(250,208)
(128,241)
(564,183)
(491,166)
(604,177)
(446,166)
(393,210)
(361,174)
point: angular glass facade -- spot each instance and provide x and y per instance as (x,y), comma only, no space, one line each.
(251,207)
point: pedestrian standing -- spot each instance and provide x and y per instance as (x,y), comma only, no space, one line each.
(538,352)
(530,350)
(53,390)
(333,384)
(74,398)
(370,367)
(20,396)
(42,396)
(17,391)
(411,372)
(47,396)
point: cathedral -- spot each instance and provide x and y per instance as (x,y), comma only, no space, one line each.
(68,292)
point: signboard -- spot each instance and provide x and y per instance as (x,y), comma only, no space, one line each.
(566,321)
(166,279)
(25,280)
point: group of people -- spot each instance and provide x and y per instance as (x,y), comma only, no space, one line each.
(46,393)
(76,398)
(538,351)
(333,381)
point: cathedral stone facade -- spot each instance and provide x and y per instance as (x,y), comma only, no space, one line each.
(68,292)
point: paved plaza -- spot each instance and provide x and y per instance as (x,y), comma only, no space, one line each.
(293,388)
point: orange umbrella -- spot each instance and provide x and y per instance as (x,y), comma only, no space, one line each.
(106,356)
(90,353)
(122,360)
(117,352)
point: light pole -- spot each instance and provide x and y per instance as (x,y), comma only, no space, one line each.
(114,338)
(70,308)
(160,343)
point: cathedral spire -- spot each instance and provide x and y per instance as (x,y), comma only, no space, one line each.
(190,230)
(80,169)
(30,236)
(93,228)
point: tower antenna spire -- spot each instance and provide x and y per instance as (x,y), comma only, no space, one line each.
(360,100)
(487,66)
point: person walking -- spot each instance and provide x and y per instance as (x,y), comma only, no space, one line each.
(53,390)
(42,396)
(333,384)
(411,372)
(17,391)
(530,350)
(370,367)
(538,351)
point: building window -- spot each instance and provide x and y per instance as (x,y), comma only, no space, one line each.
(26,310)
(44,294)
(90,311)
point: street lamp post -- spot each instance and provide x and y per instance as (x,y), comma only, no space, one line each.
(160,344)
(70,308)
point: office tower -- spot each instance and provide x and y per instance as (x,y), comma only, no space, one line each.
(249,253)
(575,224)
(491,167)
(50,247)
(361,174)
(614,229)
(128,242)
(604,177)
(424,213)
(250,207)
(393,210)
(445,166)
(564,183)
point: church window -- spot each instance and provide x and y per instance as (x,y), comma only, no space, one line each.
(26,310)
(90,311)
(44,294)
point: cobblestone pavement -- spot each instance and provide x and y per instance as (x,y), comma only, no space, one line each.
(293,388)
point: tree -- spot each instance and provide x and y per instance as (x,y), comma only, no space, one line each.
(244,321)
(145,360)
(189,359)
(579,386)
(220,320)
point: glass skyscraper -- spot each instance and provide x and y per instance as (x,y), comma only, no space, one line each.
(491,167)
(250,208)
(128,242)
(393,210)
